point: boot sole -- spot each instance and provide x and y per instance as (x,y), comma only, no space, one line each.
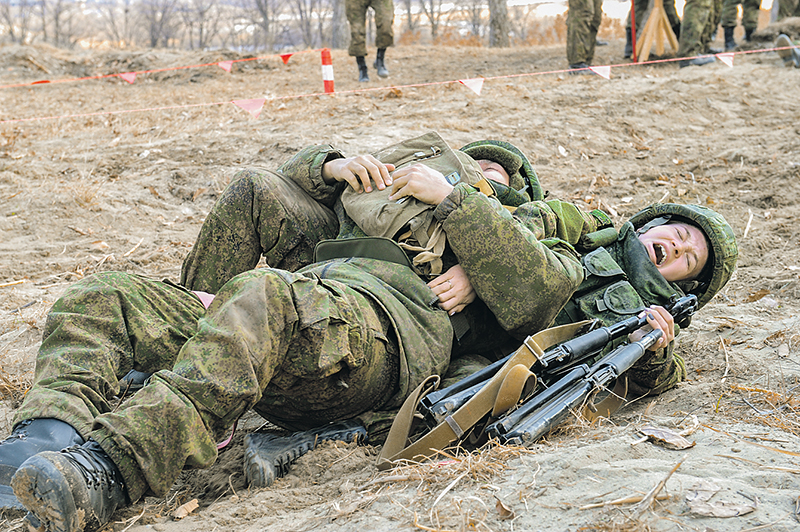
(42,488)
(268,457)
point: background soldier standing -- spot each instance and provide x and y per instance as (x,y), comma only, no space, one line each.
(356,11)
(583,21)
(698,27)
(749,19)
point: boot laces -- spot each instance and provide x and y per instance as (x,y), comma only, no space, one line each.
(96,469)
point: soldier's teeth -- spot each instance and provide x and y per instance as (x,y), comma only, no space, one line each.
(661,253)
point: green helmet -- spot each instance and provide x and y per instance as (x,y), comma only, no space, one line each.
(522,175)
(723,250)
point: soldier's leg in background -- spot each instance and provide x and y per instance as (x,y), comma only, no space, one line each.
(384,18)
(594,25)
(101,328)
(672,16)
(750,11)
(579,18)
(640,14)
(697,14)
(728,21)
(356,12)
(260,212)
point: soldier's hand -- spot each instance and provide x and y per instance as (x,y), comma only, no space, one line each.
(422,182)
(453,289)
(657,318)
(359,172)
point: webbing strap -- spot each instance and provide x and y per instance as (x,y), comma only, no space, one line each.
(396,446)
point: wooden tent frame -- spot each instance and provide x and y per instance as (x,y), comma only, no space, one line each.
(656,30)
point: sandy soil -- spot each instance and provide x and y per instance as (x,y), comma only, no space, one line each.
(129,191)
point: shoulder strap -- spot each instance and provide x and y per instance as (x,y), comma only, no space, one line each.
(454,427)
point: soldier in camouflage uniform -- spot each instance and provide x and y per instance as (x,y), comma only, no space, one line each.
(328,342)
(698,28)
(583,21)
(730,13)
(356,11)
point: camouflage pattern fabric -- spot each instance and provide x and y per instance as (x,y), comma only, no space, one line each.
(788,8)
(698,27)
(356,12)
(583,21)
(730,13)
(642,8)
(261,213)
(328,342)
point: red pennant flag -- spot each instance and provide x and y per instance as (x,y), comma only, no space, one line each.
(475,84)
(130,77)
(251,106)
(285,58)
(225,65)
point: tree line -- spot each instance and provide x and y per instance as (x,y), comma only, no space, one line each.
(247,25)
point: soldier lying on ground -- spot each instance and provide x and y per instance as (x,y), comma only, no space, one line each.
(334,340)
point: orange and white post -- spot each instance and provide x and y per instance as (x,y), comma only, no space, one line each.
(327,70)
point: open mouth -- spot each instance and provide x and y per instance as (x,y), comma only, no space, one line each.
(661,254)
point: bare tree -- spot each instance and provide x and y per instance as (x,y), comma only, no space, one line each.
(473,9)
(433,12)
(201,22)
(340,34)
(412,20)
(498,23)
(19,17)
(309,16)
(118,19)
(158,18)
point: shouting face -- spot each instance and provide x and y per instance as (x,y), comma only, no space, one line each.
(678,250)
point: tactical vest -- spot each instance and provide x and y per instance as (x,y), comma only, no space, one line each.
(619,279)
(407,221)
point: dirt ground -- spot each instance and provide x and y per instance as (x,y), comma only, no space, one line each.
(108,189)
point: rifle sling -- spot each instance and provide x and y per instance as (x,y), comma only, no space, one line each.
(610,403)
(396,446)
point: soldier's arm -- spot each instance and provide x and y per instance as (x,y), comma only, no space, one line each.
(514,263)
(305,169)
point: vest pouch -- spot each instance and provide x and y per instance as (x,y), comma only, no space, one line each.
(409,221)
(600,269)
(619,299)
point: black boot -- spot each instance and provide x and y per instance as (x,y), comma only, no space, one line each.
(28,438)
(79,487)
(268,457)
(363,75)
(628,44)
(748,34)
(379,65)
(676,29)
(730,43)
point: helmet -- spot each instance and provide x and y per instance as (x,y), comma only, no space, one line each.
(723,250)
(522,175)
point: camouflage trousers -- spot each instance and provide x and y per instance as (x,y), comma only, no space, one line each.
(788,8)
(259,213)
(730,13)
(307,349)
(583,21)
(356,11)
(699,26)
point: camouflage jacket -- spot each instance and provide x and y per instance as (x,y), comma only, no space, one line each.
(521,266)
(621,281)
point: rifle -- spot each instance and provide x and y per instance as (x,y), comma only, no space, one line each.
(544,411)
(553,365)
(561,357)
